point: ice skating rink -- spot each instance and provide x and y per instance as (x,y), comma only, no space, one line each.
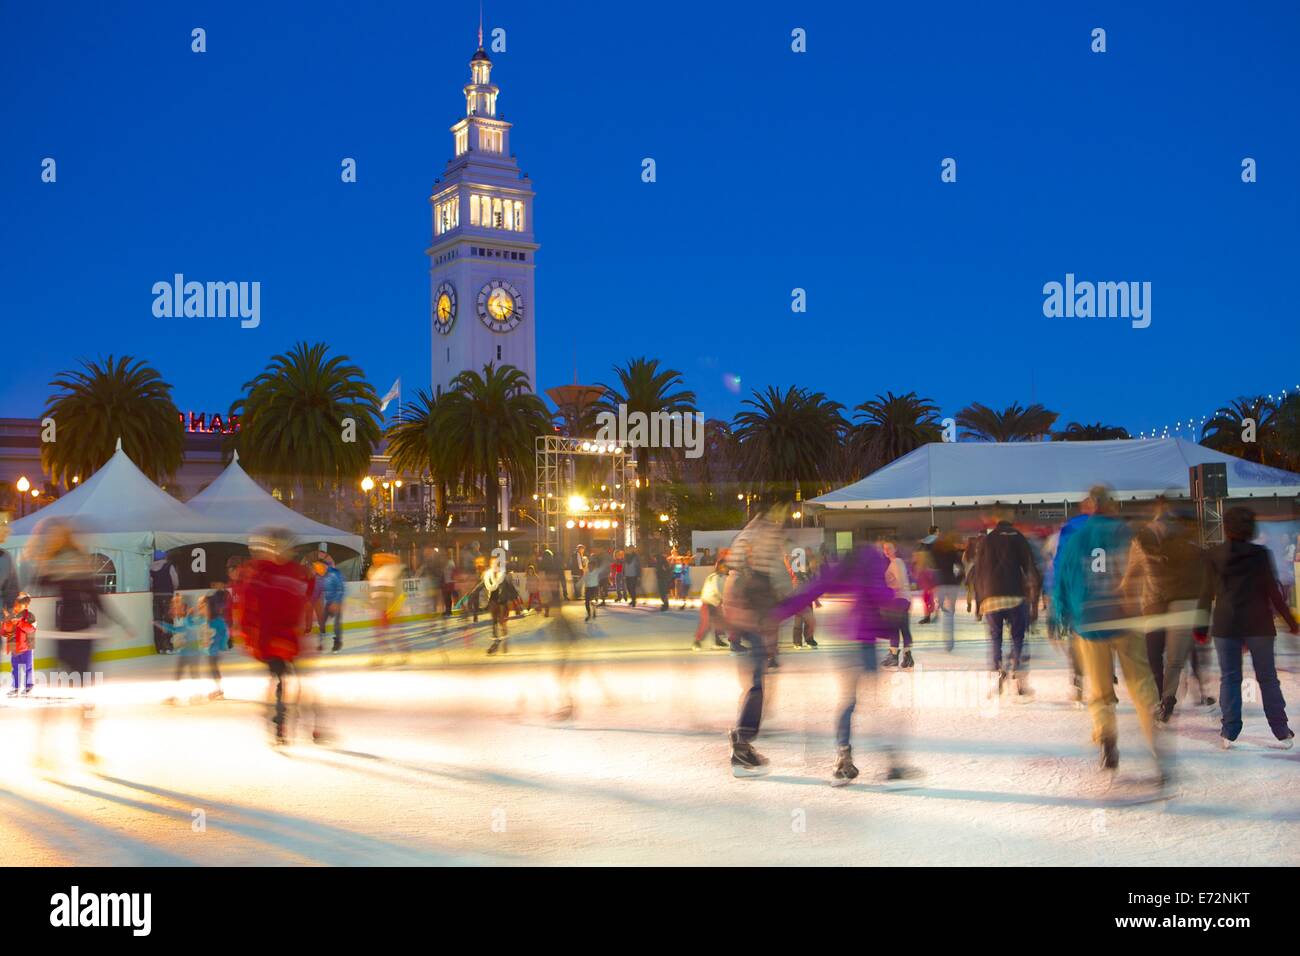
(458,758)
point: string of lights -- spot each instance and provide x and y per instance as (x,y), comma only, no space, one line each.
(1194,425)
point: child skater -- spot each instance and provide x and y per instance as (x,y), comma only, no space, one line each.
(186,628)
(218,639)
(20,642)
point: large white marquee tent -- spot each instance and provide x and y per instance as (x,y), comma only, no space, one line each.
(951,474)
(119,513)
(236,502)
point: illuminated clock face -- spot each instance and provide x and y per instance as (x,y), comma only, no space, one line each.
(444,308)
(500,306)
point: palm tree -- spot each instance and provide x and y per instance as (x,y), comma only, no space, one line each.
(643,386)
(1013,423)
(1227,430)
(789,442)
(890,426)
(417,447)
(1286,428)
(1094,432)
(489,423)
(309,418)
(118,398)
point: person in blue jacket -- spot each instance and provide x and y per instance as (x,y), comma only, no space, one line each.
(330,589)
(1090,601)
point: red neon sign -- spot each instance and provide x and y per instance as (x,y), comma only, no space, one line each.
(201,424)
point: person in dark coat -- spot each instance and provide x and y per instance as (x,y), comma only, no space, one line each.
(1243,588)
(1007,584)
(663,578)
(163,582)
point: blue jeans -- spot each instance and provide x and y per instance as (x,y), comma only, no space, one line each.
(1015,618)
(753,668)
(1270,688)
(22,668)
(899,611)
(862,662)
(323,618)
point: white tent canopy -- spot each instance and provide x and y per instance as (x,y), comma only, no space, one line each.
(120,513)
(946,474)
(238,505)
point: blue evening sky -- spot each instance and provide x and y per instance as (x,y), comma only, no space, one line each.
(776,170)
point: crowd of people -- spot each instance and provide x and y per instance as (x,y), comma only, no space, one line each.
(1147,599)
(1141,603)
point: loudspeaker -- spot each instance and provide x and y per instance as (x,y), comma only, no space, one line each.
(1209,480)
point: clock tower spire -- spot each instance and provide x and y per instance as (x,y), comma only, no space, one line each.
(481,260)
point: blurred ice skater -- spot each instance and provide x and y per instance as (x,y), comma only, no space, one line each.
(63,570)
(1243,588)
(273,601)
(862,577)
(1091,601)
(756,584)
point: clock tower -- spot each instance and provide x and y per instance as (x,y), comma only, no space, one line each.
(482,258)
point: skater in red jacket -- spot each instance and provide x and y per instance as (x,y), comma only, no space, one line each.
(273,601)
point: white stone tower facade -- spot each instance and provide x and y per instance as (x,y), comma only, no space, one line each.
(481,260)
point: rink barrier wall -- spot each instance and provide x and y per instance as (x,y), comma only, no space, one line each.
(136,608)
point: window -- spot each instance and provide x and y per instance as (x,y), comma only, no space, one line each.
(493,212)
(104,573)
(446,215)
(462,141)
(498,353)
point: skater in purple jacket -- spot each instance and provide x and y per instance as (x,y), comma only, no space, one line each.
(862,578)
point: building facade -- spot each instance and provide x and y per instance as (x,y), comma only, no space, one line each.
(481,261)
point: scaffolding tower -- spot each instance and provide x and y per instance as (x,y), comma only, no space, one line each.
(601,505)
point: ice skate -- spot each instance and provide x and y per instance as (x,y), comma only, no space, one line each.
(844,772)
(1020,688)
(1109,755)
(900,777)
(745,760)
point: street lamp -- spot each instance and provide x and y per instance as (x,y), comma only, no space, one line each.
(367,483)
(22,485)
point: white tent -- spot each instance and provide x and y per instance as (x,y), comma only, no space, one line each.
(120,513)
(238,505)
(946,474)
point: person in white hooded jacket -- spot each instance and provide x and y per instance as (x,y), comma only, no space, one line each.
(499,593)
(711,608)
